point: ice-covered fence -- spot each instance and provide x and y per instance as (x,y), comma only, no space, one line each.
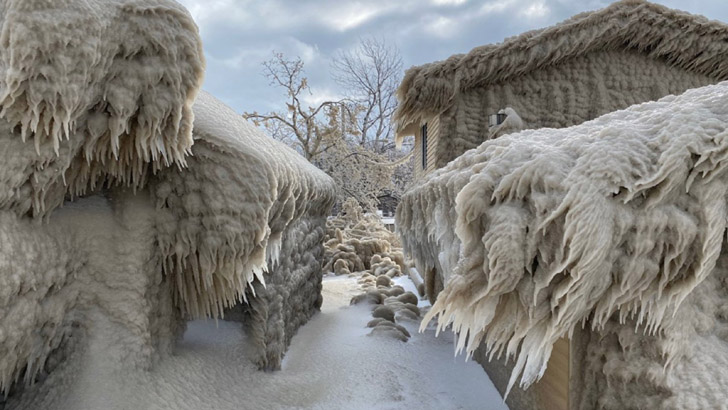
(618,219)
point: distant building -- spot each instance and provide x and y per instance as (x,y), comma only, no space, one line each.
(591,64)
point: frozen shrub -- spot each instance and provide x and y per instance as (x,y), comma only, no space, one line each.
(384,281)
(383,312)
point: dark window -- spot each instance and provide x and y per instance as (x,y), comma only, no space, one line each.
(424,146)
(496,119)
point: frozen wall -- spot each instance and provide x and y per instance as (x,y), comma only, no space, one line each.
(87,281)
(72,77)
(292,293)
(593,63)
(563,95)
(228,213)
(156,227)
(625,369)
(615,223)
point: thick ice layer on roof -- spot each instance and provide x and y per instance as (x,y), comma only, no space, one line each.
(536,232)
(98,89)
(225,215)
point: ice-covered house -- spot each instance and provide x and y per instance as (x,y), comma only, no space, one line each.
(561,76)
(612,233)
(591,64)
(131,202)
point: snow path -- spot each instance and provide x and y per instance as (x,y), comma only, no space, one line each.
(331,364)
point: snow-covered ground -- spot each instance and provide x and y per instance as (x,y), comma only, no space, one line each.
(332,364)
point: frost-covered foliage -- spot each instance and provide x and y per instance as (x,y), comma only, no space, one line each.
(347,139)
(357,241)
(537,232)
(98,104)
(353,222)
(364,174)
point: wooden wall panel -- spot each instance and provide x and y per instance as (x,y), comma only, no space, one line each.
(433,136)
(553,388)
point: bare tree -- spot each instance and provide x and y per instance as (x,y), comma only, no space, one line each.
(303,127)
(349,139)
(363,174)
(370,75)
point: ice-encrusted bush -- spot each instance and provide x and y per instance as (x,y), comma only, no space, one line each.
(355,240)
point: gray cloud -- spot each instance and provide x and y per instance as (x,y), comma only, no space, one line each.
(240,34)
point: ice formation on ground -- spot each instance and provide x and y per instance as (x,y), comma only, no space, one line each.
(331,364)
(390,305)
(535,233)
(359,245)
(357,241)
(96,108)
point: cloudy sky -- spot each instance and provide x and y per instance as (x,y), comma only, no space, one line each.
(239,35)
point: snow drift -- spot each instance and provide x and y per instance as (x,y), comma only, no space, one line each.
(97,113)
(535,233)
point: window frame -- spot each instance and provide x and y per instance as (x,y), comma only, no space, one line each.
(423,133)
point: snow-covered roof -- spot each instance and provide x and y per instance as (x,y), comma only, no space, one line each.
(681,39)
(102,88)
(240,191)
(536,232)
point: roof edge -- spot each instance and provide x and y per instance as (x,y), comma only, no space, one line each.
(656,30)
